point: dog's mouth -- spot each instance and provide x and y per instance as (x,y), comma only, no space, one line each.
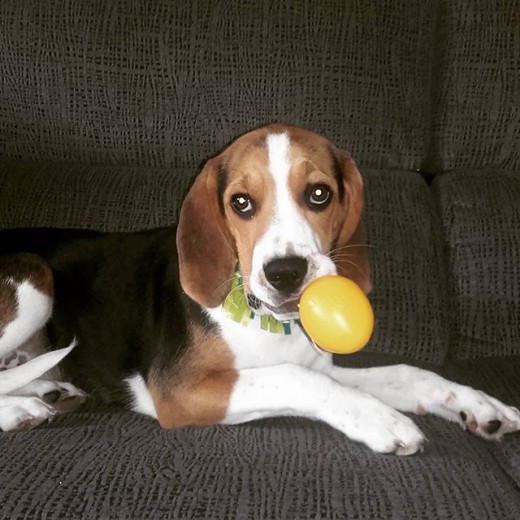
(287,309)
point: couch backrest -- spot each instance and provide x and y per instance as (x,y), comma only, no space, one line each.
(476,97)
(167,83)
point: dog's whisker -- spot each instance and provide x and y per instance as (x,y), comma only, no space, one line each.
(226,281)
(358,267)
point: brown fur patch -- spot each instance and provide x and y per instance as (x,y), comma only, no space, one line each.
(247,164)
(205,247)
(197,389)
(26,266)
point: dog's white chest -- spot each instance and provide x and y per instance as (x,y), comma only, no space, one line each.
(253,347)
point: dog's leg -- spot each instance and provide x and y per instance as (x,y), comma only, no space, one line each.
(64,397)
(288,389)
(23,413)
(411,389)
(28,404)
(26,298)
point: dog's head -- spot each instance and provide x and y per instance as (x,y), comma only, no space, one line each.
(284,203)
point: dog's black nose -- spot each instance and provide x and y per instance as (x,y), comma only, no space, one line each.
(286,274)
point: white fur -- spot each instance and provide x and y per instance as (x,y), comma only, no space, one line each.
(34,308)
(290,389)
(142,400)
(281,375)
(16,412)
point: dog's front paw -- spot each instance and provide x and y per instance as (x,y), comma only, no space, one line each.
(23,413)
(64,397)
(393,432)
(482,414)
(381,428)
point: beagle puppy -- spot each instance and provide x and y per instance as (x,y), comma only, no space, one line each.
(198,325)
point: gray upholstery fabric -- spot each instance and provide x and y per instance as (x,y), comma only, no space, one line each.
(167,84)
(409,294)
(108,464)
(481,220)
(476,120)
(106,198)
(405,249)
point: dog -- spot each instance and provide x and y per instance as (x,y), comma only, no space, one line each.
(197,325)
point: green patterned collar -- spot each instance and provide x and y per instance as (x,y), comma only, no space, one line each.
(236,307)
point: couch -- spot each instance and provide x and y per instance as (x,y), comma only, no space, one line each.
(107,110)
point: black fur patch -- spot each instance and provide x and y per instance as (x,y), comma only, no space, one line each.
(338,174)
(119,295)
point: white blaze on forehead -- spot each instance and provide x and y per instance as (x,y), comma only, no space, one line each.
(278,153)
(286,213)
(289,230)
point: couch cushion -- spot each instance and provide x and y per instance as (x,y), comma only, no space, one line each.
(167,84)
(106,198)
(481,221)
(477,92)
(405,249)
(103,463)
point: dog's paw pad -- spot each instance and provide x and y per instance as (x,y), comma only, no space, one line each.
(51,397)
(492,426)
(469,421)
(484,415)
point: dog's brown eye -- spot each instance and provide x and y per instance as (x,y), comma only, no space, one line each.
(243,205)
(318,196)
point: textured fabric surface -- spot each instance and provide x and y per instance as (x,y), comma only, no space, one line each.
(481,220)
(405,249)
(500,378)
(409,295)
(167,84)
(106,198)
(103,464)
(476,120)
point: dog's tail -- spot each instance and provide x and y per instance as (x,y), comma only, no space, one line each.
(20,375)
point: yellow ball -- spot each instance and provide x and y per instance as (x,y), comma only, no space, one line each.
(336,314)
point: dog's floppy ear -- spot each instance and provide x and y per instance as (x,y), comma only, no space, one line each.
(206,254)
(349,254)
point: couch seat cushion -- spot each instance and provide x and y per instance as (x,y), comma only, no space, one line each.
(102,463)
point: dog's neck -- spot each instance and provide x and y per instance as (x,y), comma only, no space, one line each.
(237,309)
